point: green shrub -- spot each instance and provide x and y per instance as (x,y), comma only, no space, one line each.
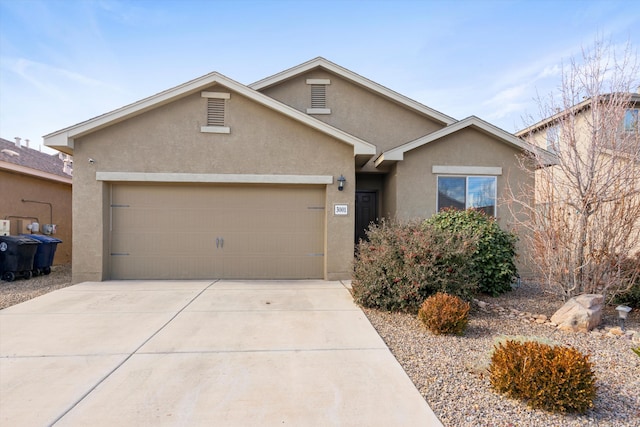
(636,351)
(496,249)
(444,314)
(555,378)
(402,264)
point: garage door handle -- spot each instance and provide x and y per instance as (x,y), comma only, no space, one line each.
(217,242)
(221,242)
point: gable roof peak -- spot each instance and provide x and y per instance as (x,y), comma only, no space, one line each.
(397,153)
(63,140)
(320,62)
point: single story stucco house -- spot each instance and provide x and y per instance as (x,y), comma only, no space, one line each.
(273,180)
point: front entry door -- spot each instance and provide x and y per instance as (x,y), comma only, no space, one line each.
(366,212)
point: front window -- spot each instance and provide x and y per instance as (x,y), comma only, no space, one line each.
(631,121)
(467,192)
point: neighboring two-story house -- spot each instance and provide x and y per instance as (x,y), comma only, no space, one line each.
(272,180)
(588,203)
(587,139)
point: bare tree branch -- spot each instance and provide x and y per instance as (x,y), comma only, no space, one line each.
(585,223)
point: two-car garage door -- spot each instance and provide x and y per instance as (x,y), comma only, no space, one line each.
(217,231)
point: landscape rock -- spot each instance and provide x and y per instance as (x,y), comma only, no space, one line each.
(616,331)
(580,314)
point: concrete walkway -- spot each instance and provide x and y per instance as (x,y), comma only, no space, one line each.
(198,353)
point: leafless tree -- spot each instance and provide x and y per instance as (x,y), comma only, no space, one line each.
(583,228)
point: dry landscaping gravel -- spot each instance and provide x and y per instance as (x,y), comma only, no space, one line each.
(20,290)
(451,372)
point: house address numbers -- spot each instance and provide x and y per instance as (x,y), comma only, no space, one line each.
(340,210)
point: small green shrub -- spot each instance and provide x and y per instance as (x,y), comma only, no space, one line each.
(495,251)
(444,314)
(402,264)
(555,378)
(636,351)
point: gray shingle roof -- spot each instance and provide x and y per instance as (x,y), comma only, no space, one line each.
(30,158)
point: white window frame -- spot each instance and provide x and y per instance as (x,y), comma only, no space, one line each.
(216,129)
(466,190)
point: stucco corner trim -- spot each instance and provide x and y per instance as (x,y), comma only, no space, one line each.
(213,178)
(467,170)
(215,129)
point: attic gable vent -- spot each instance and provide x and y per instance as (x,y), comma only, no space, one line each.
(318,96)
(216,111)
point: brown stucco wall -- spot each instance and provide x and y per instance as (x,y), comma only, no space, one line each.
(168,140)
(14,187)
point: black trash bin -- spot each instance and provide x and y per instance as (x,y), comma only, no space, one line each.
(16,256)
(43,259)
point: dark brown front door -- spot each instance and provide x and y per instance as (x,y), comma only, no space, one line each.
(366,212)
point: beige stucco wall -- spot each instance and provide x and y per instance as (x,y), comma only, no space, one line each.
(416,185)
(357,110)
(14,187)
(390,194)
(168,139)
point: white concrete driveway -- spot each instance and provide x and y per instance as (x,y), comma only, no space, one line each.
(199,353)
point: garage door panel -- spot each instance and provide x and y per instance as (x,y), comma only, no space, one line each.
(207,231)
(288,241)
(168,267)
(159,243)
(296,267)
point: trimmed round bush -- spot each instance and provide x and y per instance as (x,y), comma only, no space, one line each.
(495,253)
(555,378)
(444,314)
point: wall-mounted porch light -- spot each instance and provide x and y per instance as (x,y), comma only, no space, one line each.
(623,311)
(341,182)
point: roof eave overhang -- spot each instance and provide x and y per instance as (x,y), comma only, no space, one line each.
(388,158)
(23,170)
(634,100)
(63,140)
(397,154)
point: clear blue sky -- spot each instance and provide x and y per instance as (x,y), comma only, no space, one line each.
(65,61)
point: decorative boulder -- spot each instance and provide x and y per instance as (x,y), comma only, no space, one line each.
(579,314)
